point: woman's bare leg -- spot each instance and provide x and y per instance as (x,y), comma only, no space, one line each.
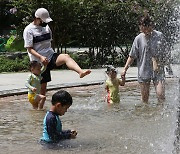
(145,88)
(71,64)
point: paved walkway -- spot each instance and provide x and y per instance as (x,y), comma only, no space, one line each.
(14,83)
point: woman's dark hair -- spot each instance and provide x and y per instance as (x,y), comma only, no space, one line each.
(146,21)
(63,97)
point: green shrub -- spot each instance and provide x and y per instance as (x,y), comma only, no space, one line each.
(9,65)
(82,60)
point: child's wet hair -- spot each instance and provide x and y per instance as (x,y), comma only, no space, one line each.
(62,97)
(33,64)
(110,69)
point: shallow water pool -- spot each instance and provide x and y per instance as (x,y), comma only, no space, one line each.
(121,128)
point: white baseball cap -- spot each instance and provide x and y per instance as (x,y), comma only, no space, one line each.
(43,14)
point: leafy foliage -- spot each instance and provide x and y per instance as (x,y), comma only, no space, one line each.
(10,65)
(101,25)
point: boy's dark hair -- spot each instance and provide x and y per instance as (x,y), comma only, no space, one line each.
(63,97)
(33,64)
(145,21)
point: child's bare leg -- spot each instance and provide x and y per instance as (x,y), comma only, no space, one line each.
(71,64)
(42,101)
(39,100)
(35,106)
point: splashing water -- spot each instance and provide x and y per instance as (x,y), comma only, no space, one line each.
(101,128)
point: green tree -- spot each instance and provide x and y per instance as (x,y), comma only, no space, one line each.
(101,25)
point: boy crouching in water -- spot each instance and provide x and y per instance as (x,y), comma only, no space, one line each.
(112,85)
(52,126)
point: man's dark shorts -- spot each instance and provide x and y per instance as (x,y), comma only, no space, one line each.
(46,75)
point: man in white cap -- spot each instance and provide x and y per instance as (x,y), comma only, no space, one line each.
(43,14)
(37,40)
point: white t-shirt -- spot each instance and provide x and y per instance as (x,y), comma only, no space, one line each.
(39,38)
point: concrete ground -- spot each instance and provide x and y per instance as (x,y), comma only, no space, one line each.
(14,83)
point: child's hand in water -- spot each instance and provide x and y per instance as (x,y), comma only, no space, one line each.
(73,134)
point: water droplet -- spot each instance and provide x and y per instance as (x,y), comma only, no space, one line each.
(151,144)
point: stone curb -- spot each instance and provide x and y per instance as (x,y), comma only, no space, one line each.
(22,91)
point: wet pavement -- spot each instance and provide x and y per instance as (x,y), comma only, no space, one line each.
(123,128)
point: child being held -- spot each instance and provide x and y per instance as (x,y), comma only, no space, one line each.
(112,85)
(33,83)
(52,126)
